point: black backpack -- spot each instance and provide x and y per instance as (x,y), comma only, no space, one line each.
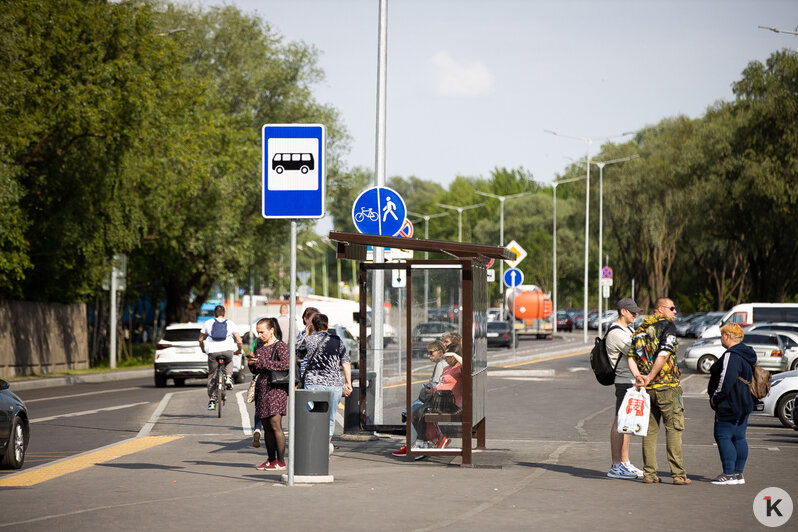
(600,361)
(219,330)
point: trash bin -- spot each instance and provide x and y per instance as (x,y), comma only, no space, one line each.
(312,431)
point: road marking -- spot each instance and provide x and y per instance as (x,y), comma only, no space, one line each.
(242,408)
(544,359)
(82,461)
(522,373)
(88,412)
(80,395)
(145,430)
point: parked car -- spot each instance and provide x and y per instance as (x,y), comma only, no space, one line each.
(607,317)
(350,343)
(564,321)
(499,334)
(494,313)
(746,314)
(424,333)
(683,323)
(178,356)
(579,322)
(780,401)
(768,346)
(14,428)
(698,326)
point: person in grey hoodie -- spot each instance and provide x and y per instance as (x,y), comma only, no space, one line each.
(732,402)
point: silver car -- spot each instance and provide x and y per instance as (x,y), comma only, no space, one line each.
(779,402)
(706,351)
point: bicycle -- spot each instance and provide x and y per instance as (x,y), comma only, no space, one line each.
(221,385)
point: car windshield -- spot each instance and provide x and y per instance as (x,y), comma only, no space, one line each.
(498,326)
(429,328)
(181,335)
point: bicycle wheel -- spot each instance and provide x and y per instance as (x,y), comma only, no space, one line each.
(219,390)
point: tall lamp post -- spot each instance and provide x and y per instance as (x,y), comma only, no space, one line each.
(427,218)
(460,216)
(588,141)
(501,234)
(554,250)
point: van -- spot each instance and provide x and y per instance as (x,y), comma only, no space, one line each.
(750,313)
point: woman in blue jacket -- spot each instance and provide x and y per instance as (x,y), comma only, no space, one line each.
(732,402)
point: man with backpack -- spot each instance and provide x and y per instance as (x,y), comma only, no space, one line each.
(653,350)
(219,337)
(617,342)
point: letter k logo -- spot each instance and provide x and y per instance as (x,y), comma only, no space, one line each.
(772,506)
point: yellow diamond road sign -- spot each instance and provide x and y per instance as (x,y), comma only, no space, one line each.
(520,254)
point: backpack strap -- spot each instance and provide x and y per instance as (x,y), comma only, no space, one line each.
(613,326)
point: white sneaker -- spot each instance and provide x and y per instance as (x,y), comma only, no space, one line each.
(619,471)
(725,480)
(332,448)
(631,468)
(739,478)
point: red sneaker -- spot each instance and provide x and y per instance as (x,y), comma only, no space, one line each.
(401,452)
(264,466)
(443,442)
(277,465)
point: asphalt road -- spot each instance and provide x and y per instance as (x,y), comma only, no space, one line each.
(544,469)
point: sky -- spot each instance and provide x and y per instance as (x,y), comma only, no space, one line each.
(473,84)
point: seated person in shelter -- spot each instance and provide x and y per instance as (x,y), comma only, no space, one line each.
(435,351)
(451,380)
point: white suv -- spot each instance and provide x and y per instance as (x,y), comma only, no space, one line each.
(178,356)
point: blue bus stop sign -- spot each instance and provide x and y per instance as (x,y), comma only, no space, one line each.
(513,277)
(294,170)
(379,211)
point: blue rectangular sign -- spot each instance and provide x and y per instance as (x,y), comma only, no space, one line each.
(294,170)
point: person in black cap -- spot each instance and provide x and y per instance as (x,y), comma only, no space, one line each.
(618,339)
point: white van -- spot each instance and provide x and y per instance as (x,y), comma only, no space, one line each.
(750,313)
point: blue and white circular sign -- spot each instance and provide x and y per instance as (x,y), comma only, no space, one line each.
(513,277)
(379,211)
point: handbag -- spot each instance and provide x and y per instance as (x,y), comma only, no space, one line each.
(443,403)
(425,394)
(251,390)
(281,376)
(634,412)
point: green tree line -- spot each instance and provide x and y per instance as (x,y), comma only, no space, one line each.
(134,127)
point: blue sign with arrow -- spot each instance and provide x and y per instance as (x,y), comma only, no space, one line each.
(379,211)
(513,277)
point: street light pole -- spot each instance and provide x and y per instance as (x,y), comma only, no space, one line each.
(588,141)
(460,216)
(554,251)
(501,234)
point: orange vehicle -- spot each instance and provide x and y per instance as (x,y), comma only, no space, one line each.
(531,309)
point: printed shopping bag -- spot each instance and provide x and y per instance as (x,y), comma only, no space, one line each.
(634,412)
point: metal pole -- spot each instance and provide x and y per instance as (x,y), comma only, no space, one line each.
(379,175)
(512,320)
(587,233)
(292,357)
(554,258)
(501,262)
(601,221)
(112,325)
(459,225)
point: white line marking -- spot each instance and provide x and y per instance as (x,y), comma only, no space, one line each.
(88,412)
(79,395)
(574,370)
(242,407)
(145,430)
(521,373)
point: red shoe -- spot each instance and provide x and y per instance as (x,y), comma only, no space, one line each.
(264,466)
(443,442)
(277,465)
(401,452)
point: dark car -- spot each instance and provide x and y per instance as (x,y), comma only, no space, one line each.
(499,334)
(14,428)
(424,333)
(564,321)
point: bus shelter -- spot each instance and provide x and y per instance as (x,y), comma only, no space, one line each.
(422,299)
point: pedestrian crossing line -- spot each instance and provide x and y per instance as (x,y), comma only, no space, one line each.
(82,461)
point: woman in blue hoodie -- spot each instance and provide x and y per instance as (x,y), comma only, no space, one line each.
(732,402)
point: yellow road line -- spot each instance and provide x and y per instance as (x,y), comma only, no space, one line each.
(553,357)
(70,465)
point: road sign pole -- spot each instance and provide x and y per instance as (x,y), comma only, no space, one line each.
(292,357)
(512,320)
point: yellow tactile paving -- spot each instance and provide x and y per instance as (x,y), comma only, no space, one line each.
(544,359)
(70,465)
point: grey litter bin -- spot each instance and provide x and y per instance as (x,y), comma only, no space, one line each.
(312,428)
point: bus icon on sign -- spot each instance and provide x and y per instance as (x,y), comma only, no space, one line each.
(293,161)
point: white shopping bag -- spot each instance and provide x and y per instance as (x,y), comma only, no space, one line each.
(634,412)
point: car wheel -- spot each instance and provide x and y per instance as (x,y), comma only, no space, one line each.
(784,409)
(17,443)
(180,382)
(160,381)
(705,362)
(794,365)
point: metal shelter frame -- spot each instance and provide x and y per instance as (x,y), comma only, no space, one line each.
(471,259)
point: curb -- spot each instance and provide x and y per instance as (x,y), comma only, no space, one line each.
(50,382)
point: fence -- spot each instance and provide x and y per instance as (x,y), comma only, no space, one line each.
(42,338)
